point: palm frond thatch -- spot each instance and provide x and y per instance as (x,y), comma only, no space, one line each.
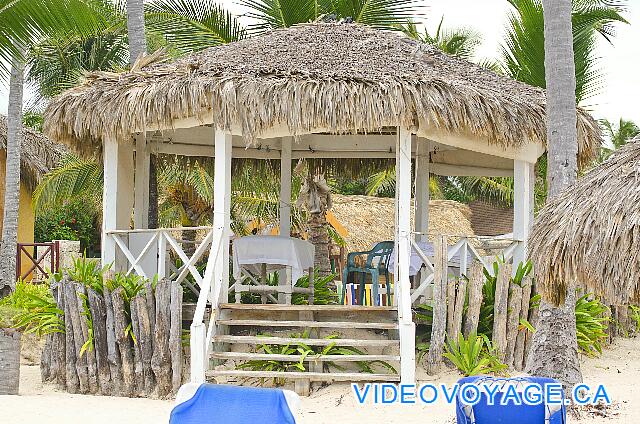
(336,76)
(39,154)
(369,220)
(590,233)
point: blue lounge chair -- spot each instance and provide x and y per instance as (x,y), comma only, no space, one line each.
(216,403)
(376,264)
(483,413)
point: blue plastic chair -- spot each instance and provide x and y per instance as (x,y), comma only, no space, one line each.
(483,413)
(217,403)
(376,264)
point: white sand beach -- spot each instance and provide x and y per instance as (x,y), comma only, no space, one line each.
(618,369)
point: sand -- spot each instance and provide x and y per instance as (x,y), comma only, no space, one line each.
(618,369)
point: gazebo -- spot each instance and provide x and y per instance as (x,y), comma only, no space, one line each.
(322,91)
(589,234)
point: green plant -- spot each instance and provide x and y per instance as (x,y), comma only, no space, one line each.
(32,309)
(323,294)
(634,314)
(73,220)
(474,355)
(304,350)
(591,324)
(88,272)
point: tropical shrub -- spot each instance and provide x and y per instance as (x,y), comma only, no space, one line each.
(71,221)
(591,324)
(32,309)
(474,355)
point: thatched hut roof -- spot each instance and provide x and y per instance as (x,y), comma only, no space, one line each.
(38,155)
(590,233)
(370,220)
(334,76)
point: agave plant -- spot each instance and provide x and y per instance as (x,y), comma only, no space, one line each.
(474,355)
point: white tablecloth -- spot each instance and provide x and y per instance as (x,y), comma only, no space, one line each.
(427,248)
(277,251)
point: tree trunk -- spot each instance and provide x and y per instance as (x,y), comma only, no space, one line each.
(8,246)
(554,352)
(9,361)
(319,237)
(135,30)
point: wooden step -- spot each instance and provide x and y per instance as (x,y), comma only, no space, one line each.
(250,356)
(310,342)
(309,324)
(313,376)
(306,308)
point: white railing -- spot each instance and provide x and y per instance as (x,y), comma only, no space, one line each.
(502,248)
(148,252)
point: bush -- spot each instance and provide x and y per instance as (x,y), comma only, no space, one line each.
(72,221)
(474,356)
(591,325)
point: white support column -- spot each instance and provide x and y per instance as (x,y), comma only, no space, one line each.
(141,202)
(403,249)
(117,199)
(222,209)
(523,187)
(284,276)
(422,191)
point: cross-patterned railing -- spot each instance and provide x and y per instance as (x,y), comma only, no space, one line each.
(468,249)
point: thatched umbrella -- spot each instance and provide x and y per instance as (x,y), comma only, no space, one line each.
(39,154)
(335,76)
(590,233)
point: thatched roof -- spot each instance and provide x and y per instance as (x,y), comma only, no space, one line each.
(490,220)
(335,76)
(38,155)
(590,233)
(370,220)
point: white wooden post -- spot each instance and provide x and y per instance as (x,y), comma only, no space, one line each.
(422,191)
(222,209)
(117,198)
(219,275)
(403,249)
(523,187)
(285,208)
(141,202)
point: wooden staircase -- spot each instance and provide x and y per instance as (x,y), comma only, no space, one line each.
(242,328)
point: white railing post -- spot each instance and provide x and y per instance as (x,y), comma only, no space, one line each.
(523,188)
(198,352)
(403,249)
(117,198)
(162,255)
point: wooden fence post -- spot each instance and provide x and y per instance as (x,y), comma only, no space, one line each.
(518,356)
(476,281)
(500,310)
(513,320)
(439,326)
(71,300)
(100,347)
(175,336)
(161,359)
(461,295)
(124,341)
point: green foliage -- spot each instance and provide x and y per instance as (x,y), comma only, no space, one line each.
(322,293)
(474,356)
(634,315)
(33,309)
(304,351)
(69,221)
(87,272)
(591,324)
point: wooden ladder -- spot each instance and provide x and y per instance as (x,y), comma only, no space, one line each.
(242,328)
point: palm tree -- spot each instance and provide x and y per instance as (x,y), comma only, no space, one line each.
(523,54)
(22,23)
(618,134)
(554,351)
(382,14)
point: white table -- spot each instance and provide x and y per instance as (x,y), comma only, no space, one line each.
(255,255)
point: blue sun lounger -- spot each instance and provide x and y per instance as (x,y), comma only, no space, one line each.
(483,413)
(216,403)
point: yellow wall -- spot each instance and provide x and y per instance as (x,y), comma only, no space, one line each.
(26,217)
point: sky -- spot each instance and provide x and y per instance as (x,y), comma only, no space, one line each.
(620,94)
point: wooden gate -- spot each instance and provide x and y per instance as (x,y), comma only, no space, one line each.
(36,261)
